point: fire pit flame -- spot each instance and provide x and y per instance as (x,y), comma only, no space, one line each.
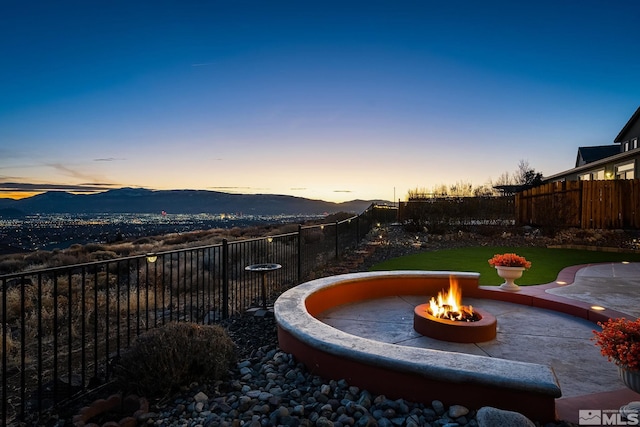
(449,305)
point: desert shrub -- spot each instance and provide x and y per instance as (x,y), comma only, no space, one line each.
(94,247)
(144,241)
(11,344)
(200,234)
(15,303)
(60,259)
(12,265)
(103,255)
(161,360)
(38,257)
(288,228)
(123,249)
(179,239)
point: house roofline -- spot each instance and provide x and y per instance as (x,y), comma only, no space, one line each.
(633,118)
(589,166)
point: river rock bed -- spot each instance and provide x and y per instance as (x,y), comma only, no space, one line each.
(269,388)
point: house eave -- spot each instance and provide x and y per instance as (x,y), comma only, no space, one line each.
(592,165)
(626,127)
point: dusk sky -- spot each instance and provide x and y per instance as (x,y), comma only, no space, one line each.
(332,100)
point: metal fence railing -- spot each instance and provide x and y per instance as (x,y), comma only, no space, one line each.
(62,327)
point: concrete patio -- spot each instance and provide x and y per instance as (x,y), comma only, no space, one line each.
(528,333)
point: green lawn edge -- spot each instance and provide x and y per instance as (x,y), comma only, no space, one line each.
(546,263)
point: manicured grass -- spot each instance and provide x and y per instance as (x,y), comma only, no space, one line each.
(545,263)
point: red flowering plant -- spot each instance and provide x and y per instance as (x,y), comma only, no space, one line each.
(619,341)
(509,260)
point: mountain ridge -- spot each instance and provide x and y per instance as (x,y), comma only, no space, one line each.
(142,200)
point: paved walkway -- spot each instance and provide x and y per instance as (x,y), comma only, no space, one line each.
(611,285)
(528,334)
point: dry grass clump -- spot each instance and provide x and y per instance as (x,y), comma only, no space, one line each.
(103,255)
(37,257)
(12,264)
(163,359)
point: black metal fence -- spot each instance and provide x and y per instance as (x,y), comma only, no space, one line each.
(62,327)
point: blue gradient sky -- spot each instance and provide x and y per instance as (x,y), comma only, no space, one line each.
(326,100)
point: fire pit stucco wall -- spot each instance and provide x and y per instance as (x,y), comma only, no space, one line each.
(412,373)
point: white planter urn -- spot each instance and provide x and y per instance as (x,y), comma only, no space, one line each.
(631,379)
(509,274)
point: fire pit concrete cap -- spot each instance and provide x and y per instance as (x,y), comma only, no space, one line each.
(292,316)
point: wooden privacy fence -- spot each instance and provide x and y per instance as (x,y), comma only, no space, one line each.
(607,204)
(446,211)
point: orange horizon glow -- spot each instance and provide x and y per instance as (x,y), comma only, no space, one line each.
(17,195)
(324,195)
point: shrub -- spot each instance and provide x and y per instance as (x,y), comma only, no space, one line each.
(103,255)
(94,247)
(163,359)
(144,241)
(288,228)
(61,258)
(12,265)
(38,257)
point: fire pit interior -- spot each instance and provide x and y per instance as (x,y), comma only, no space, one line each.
(445,318)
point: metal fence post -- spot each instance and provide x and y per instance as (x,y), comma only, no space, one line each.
(225,279)
(337,244)
(299,253)
(5,332)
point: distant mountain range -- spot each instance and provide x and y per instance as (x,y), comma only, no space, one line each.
(140,200)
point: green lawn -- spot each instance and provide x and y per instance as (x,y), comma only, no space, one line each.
(545,263)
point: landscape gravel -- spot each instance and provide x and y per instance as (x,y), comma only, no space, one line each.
(269,388)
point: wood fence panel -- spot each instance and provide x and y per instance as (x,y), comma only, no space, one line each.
(606,204)
(630,203)
(445,211)
(570,202)
(587,207)
(635,204)
(551,204)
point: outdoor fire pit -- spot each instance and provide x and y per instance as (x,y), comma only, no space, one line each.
(407,372)
(446,319)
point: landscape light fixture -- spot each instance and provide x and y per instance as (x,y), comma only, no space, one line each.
(597,308)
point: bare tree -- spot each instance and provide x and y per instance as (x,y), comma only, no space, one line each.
(505,179)
(484,191)
(526,175)
(418,193)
